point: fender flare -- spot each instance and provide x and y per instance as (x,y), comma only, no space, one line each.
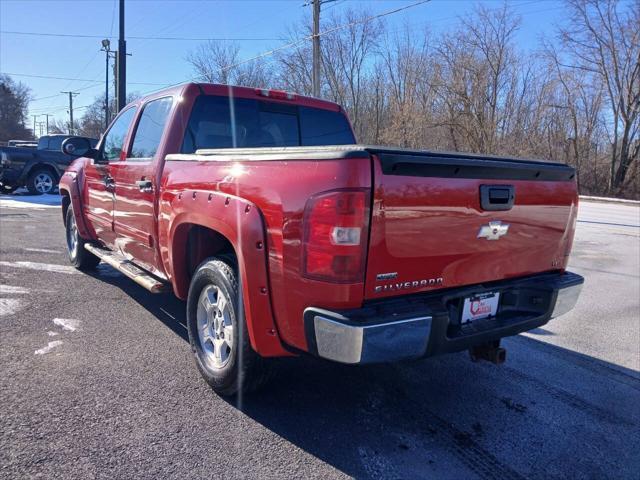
(70,182)
(242,224)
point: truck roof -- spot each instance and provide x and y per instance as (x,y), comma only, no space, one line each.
(240,92)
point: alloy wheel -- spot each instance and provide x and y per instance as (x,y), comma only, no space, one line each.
(215,327)
(43,182)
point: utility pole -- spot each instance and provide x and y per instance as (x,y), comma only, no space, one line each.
(48,115)
(34,125)
(106,47)
(122,63)
(316,48)
(71,95)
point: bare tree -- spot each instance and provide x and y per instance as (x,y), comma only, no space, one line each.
(470,89)
(14,102)
(217,62)
(604,40)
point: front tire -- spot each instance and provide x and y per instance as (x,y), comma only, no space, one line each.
(41,181)
(79,257)
(218,333)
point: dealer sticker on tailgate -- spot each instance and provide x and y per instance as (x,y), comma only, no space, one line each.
(480,306)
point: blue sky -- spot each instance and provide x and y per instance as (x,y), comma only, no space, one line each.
(159,62)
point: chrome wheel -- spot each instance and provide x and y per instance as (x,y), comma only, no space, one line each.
(72,237)
(215,327)
(43,182)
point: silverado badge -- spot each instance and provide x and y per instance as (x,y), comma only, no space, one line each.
(493,231)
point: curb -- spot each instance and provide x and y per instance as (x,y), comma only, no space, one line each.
(609,200)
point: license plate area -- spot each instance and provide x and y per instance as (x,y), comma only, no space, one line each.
(478,307)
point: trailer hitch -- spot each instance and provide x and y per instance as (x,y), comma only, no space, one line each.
(491,352)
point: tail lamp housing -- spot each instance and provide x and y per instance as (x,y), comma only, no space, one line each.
(335,233)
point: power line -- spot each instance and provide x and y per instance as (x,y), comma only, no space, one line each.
(308,37)
(326,32)
(96,84)
(186,39)
(52,77)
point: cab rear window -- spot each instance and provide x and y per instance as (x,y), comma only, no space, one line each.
(222,122)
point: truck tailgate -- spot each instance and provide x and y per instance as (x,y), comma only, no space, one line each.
(431,228)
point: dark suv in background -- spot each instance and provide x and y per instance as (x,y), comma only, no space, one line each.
(37,169)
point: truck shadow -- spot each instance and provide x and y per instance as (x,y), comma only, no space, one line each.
(445,417)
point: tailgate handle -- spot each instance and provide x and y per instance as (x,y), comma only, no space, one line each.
(497,197)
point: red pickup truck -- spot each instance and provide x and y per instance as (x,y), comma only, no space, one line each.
(285,236)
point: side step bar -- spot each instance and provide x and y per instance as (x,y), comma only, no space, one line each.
(132,271)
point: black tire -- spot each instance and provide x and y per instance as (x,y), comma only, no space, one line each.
(41,181)
(79,257)
(5,190)
(244,370)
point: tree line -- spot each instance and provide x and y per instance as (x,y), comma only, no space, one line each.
(575,99)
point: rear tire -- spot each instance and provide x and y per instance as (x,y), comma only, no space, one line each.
(218,333)
(41,181)
(79,257)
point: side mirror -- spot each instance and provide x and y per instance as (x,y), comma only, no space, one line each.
(78,147)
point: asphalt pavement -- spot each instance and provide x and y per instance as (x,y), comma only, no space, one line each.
(97,381)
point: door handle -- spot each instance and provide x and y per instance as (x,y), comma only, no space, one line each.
(497,197)
(145,185)
(109,183)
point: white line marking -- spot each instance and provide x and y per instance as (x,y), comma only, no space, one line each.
(67,323)
(50,346)
(9,306)
(10,289)
(49,267)
(41,250)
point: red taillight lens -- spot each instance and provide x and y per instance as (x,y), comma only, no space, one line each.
(335,236)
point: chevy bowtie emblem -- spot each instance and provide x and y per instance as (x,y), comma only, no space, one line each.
(493,231)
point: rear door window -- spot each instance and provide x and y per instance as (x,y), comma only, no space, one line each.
(150,127)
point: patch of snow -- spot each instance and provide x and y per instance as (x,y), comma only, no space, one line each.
(49,267)
(9,306)
(67,323)
(31,201)
(52,334)
(10,289)
(50,346)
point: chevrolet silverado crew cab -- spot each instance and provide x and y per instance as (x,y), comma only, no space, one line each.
(284,236)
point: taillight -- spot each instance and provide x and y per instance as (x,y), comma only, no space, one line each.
(335,236)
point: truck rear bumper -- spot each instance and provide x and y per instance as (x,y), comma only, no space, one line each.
(429,324)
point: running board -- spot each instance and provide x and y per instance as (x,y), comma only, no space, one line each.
(129,269)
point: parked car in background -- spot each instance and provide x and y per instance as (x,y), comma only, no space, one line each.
(39,169)
(285,237)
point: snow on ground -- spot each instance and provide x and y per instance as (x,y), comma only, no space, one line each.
(21,199)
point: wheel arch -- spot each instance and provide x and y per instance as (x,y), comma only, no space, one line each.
(43,166)
(215,224)
(69,188)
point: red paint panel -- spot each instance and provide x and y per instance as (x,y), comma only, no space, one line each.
(280,191)
(426,228)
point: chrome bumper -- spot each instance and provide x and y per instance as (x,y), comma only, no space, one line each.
(403,329)
(566,300)
(383,342)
